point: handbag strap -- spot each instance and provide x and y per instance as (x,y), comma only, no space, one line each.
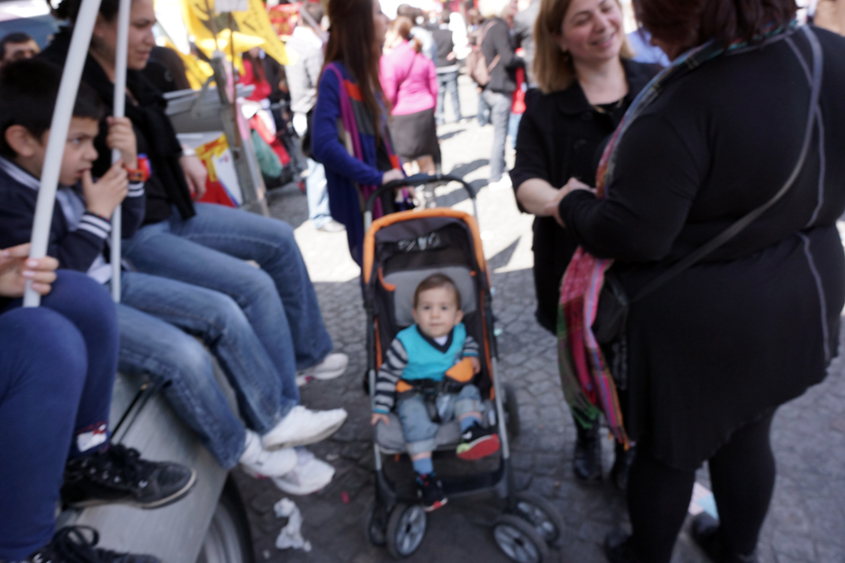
(741,224)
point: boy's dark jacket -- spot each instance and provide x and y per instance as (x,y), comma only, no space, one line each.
(75,249)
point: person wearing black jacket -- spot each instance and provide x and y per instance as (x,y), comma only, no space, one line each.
(584,93)
(502,60)
(447,70)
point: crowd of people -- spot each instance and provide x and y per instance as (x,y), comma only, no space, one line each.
(631,152)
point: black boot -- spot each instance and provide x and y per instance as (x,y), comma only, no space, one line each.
(705,532)
(587,461)
(618,548)
(621,467)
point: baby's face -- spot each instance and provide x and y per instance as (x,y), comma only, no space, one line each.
(437,311)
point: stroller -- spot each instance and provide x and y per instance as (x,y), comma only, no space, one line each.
(400,250)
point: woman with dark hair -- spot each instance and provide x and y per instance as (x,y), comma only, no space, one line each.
(357,151)
(714,350)
(409,81)
(586,83)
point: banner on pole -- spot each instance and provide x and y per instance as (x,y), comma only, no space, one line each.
(232,5)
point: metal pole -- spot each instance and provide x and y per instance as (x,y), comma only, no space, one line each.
(62,113)
(119,110)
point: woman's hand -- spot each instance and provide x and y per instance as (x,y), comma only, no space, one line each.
(390,175)
(551,209)
(122,137)
(16,268)
(195,175)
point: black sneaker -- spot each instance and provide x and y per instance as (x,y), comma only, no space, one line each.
(586,463)
(72,545)
(618,548)
(119,475)
(430,492)
(477,442)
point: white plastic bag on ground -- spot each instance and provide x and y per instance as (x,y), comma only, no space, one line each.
(291,535)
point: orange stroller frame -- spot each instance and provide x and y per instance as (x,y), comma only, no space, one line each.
(400,250)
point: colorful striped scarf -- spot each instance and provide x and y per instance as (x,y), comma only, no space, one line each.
(357,120)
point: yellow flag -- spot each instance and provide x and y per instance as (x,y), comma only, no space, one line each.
(257,22)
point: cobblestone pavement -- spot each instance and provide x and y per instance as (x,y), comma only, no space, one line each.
(806,522)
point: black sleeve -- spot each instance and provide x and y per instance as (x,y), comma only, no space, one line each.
(532,158)
(657,175)
(500,36)
(75,251)
(133,210)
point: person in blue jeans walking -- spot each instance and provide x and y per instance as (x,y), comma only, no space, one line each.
(154,309)
(433,360)
(447,70)
(303,76)
(57,368)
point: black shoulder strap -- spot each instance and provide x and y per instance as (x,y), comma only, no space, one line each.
(740,225)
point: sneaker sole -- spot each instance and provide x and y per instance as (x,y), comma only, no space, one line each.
(436,505)
(306,441)
(300,490)
(161,503)
(481,448)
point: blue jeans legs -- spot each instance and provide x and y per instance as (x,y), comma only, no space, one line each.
(57,366)
(448,81)
(500,105)
(417,427)
(317,191)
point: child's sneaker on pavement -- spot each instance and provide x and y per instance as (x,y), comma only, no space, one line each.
(302,426)
(77,544)
(477,442)
(119,475)
(430,492)
(308,476)
(332,366)
(258,462)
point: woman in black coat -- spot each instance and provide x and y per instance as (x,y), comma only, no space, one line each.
(585,91)
(714,351)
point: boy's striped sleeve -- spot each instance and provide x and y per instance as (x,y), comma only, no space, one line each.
(470,348)
(388,376)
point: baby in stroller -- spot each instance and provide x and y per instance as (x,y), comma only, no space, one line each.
(427,374)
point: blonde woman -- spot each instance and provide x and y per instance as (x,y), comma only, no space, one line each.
(498,49)
(586,82)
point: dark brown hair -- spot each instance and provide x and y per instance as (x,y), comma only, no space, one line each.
(436,281)
(690,23)
(352,41)
(402,26)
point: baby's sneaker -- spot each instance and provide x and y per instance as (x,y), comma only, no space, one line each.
(258,462)
(430,492)
(477,442)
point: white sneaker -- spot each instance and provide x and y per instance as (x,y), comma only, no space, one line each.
(503,184)
(334,365)
(258,462)
(309,476)
(302,426)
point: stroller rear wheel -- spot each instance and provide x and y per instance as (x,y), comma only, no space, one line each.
(541,514)
(405,529)
(519,540)
(375,527)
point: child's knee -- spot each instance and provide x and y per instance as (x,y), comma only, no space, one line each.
(469,401)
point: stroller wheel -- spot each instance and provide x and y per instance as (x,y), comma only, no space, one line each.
(519,540)
(405,529)
(511,407)
(541,514)
(374,525)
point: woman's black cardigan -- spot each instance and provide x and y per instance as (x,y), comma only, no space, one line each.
(559,138)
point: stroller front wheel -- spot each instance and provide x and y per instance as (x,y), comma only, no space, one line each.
(406,529)
(519,540)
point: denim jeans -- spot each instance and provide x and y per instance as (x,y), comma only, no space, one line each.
(417,427)
(483,113)
(513,128)
(448,80)
(317,191)
(499,115)
(157,318)
(278,299)
(57,366)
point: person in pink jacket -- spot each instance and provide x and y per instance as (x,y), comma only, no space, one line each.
(409,81)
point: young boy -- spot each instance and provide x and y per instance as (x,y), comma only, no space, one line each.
(435,359)
(157,316)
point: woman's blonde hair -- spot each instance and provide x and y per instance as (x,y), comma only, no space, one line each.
(554,69)
(493,8)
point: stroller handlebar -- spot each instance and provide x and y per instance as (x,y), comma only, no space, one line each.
(414,181)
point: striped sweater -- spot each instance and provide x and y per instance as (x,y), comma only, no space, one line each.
(413,356)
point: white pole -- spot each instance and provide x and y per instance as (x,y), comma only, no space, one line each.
(58,136)
(119,110)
